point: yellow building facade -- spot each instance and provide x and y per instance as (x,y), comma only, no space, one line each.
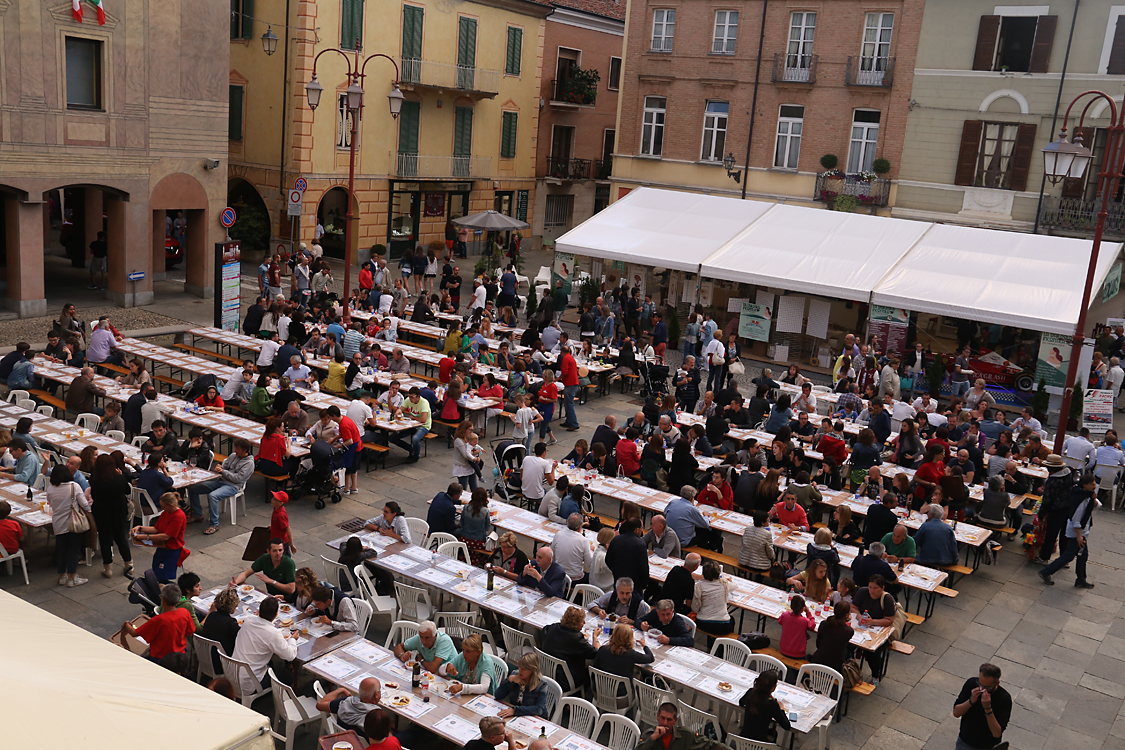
(464,141)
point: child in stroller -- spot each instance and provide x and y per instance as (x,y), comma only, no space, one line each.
(319,474)
(508,455)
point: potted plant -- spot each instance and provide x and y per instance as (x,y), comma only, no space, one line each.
(588,290)
(1040,401)
(1075,415)
(379,250)
(880,166)
(532,303)
(673,327)
(846,203)
(935,375)
(829,162)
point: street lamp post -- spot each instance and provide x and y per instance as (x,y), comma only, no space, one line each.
(313,90)
(1062,160)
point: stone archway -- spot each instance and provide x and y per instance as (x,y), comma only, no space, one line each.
(253,226)
(179,230)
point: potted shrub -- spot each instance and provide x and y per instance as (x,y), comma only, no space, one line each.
(829,162)
(1075,415)
(880,166)
(673,327)
(935,375)
(846,203)
(1040,400)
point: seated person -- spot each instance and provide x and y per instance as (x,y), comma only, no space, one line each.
(259,641)
(508,559)
(900,546)
(351,709)
(524,692)
(160,438)
(11,531)
(620,603)
(564,640)
(873,563)
(431,646)
(167,632)
(330,606)
(544,574)
(672,628)
(620,657)
(377,727)
(936,540)
(492,734)
(274,568)
(473,671)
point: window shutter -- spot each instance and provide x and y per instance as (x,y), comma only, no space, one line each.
(508,136)
(463,132)
(412,17)
(234,118)
(247,20)
(235,7)
(351,24)
(408,128)
(467,43)
(985,54)
(1044,39)
(1022,154)
(967,157)
(1117,50)
(515,51)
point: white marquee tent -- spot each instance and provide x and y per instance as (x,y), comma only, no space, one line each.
(991,276)
(64,685)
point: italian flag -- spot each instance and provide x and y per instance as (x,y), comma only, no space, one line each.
(76,10)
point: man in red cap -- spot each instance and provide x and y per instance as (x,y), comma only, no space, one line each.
(279,522)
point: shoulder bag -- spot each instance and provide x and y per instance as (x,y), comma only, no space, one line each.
(79,522)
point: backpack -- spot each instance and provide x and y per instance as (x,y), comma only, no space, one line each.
(898,623)
(852,673)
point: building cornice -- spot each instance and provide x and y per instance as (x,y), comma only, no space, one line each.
(589,21)
(523,7)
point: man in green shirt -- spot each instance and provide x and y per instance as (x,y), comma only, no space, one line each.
(432,647)
(417,408)
(900,546)
(277,571)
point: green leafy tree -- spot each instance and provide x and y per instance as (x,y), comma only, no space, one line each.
(673,327)
(588,291)
(1040,400)
(1076,396)
(252,227)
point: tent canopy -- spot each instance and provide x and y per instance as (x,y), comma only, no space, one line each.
(62,681)
(493,221)
(817,252)
(663,228)
(1009,278)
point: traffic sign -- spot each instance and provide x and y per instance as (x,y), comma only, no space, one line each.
(139,275)
(227,217)
(295,197)
(301,184)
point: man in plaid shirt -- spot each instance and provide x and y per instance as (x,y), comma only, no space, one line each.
(851,397)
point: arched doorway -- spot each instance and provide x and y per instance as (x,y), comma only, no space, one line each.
(330,213)
(179,233)
(76,221)
(252,225)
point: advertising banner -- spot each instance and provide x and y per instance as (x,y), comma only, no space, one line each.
(228,275)
(754,322)
(1097,410)
(1054,359)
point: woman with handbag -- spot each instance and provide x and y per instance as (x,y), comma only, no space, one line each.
(70,520)
(109,495)
(734,366)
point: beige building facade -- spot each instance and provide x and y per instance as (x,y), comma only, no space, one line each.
(983,98)
(117,128)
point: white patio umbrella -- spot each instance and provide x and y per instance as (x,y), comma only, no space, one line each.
(492,221)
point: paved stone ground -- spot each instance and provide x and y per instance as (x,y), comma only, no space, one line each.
(1062,650)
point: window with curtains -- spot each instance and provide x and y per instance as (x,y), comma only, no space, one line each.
(241,19)
(351,24)
(790,123)
(726,32)
(994,164)
(864,141)
(663,29)
(513,59)
(714,131)
(508,135)
(652,126)
(995,154)
(876,50)
(802,31)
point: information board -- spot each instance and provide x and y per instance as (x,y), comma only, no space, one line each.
(228,278)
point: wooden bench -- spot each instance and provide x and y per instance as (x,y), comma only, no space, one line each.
(451,427)
(210,353)
(956,570)
(47,398)
(276,480)
(170,382)
(112,367)
(943,591)
(902,648)
(380,452)
(504,417)
(727,560)
(788,661)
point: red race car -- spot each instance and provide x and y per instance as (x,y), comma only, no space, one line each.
(173,253)
(993,369)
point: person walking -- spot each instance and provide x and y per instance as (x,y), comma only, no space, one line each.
(1077,534)
(984,708)
(569,373)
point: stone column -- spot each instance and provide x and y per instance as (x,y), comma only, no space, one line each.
(199,266)
(93,222)
(24,222)
(158,245)
(128,235)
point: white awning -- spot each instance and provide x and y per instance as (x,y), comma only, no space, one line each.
(662,228)
(61,681)
(1010,278)
(810,250)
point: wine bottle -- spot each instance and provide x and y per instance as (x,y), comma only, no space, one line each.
(416,678)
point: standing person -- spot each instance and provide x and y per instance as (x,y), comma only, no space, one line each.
(984,708)
(733,352)
(167,536)
(99,252)
(547,398)
(1054,510)
(109,497)
(1077,534)
(915,363)
(63,495)
(1115,379)
(714,361)
(569,369)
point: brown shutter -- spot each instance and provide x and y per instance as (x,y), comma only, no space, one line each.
(1117,50)
(1044,39)
(1022,155)
(1077,188)
(986,42)
(970,149)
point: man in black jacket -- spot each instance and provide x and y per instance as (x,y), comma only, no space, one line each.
(627,555)
(747,486)
(679,586)
(252,323)
(132,412)
(881,520)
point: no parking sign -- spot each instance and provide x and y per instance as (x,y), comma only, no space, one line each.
(227,217)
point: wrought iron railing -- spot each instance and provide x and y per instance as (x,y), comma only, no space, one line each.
(789,68)
(877,72)
(449,76)
(829,187)
(573,91)
(1080,215)
(423,165)
(568,169)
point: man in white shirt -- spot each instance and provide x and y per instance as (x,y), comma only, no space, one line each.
(1026,420)
(359,411)
(391,398)
(925,404)
(572,549)
(1079,447)
(239,387)
(298,372)
(806,401)
(534,471)
(268,353)
(259,641)
(714,361)
(479,293)
(386,300)
(902,410)
(1115,378)
(283,327)
(1109,455)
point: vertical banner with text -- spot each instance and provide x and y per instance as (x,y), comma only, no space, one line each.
(228,282)
(890,325)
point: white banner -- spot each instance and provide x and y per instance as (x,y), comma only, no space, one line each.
(791,314)
(1097,410)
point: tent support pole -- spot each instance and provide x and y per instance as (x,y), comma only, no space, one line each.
(754,100)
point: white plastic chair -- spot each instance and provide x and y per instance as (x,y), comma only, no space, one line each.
(17,556)
(17,395)
(516,643)
(1108,482)
(26,403)
(607,693)
(761,662)
(401,631)
(46,410)
(585,594)
(823,680)
(413,603)
(455,624)
(419,530)
(333,570)
(731,650)
(234,670)
(364,613)
(568,583)
(295,710)
(456,550)
(581,718)
(232,505)
(554,694)
(144,505)
(139,441)
(328,723)
(117,435)
(203,650)
(379,604)
(485,634)
(624,734)
(437,539)
(741,743)
(689,623)
(696,720)
(552,666)
(89,421)
(647,700)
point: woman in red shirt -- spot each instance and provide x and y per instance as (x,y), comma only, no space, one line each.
(211,399)
(628,457)
(167,535)
(450,408)
(491,389)
(548,397)
(929,473)
(274,452)
(717,492)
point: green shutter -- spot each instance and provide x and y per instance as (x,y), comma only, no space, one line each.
(508,135)
(467,43)
(234,117)
(463,132)
(235,9)
(351,23)
(408,128)
(247,19)
(411,32)
(515,51)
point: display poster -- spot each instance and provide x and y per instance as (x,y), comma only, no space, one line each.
(1054,359)
(1097,410)
(890,325)
(228,271)
(1112,283)
(563,269)
(754,322)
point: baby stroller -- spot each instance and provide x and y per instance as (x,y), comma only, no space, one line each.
(655,379)
(508,455)
(145,591)
(317,474)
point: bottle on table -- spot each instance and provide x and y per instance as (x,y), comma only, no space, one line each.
(416,677)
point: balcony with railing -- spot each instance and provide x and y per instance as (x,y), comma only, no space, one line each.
(603,168)
(871,72)
(794,68)
(424,166)
(574,91)
(450,77)
(578,169)
(1078,215)
(867,192)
